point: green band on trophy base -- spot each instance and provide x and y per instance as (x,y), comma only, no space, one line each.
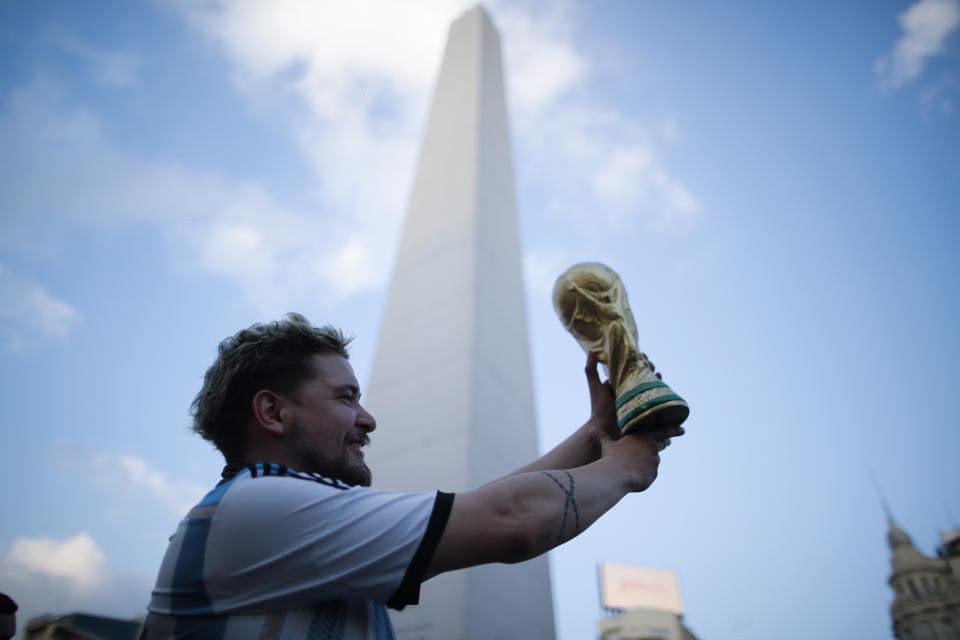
(622,400)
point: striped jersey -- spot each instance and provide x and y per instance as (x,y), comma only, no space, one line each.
(273,553)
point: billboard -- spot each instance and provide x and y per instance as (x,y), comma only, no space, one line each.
(626,587)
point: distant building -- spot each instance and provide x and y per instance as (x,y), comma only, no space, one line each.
(640,603)
(926,605)
(81,626)
(644,624)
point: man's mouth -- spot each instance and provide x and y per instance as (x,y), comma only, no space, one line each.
(357,444)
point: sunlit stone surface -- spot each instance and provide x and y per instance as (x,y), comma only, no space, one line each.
(451,385)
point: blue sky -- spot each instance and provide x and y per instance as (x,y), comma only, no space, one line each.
(775,182)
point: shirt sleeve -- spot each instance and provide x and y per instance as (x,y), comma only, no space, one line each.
(409,590)
(279,542)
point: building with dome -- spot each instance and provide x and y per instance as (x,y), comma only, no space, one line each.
(926,605)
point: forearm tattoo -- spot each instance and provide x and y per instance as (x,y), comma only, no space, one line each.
(568,500)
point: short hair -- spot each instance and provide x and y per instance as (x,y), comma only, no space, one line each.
(275,356)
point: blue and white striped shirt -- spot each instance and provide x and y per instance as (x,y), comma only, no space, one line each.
(275,553)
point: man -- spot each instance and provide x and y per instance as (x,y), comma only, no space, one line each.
(293,543)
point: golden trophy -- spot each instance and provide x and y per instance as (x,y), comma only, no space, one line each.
(592,304)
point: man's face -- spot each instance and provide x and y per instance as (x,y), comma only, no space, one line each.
(326,424)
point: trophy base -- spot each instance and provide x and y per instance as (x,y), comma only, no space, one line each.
(668,414)
(650,406)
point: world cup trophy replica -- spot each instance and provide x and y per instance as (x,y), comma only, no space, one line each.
(592,304)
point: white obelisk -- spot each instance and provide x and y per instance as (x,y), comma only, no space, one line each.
(451,383)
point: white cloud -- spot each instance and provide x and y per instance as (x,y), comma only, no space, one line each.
(669,130)
(397,44)
(30,308)
(540,271)
(127,472)
(364,69)
(365,83)
(590,156)
(939,95)
(61,169)
(49,575)
(615,179)
(109,68)
(926,25)
(354,265)
(54,316)
(629,175)
(543,63)
(77,560)
(358,85)
(611,170)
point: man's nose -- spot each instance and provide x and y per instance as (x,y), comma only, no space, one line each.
(365,420)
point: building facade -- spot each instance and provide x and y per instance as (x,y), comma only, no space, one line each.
(926,603)
(82,626)
(644,624)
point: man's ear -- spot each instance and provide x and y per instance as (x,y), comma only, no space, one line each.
(266,406)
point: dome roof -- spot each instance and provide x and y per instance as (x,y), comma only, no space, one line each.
(909,559)
(905,555)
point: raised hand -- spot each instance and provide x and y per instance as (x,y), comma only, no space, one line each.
(603,414)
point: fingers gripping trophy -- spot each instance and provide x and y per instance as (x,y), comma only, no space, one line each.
(592,304)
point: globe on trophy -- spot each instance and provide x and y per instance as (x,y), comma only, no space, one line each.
(592,304)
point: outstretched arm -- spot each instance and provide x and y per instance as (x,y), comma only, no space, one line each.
(554,498)
(527,514)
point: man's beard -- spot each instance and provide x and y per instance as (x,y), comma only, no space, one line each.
(344,468)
